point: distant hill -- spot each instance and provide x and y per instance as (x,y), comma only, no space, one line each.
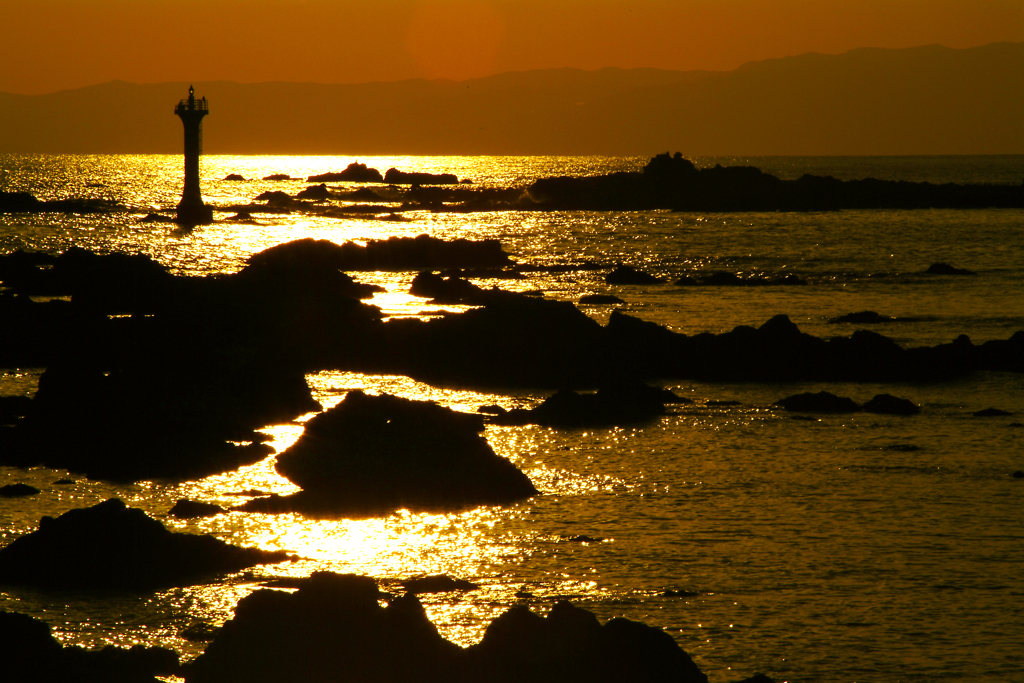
(926,100)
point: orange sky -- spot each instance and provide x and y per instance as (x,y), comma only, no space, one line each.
(50,45)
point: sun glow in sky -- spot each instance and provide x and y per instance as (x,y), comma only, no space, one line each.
(51,45)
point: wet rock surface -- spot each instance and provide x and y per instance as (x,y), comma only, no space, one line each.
(380,453)
(336,621)
(113,546)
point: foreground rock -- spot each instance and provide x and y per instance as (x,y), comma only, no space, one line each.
(380,453)
(112,546)
(335,624)
(29,652)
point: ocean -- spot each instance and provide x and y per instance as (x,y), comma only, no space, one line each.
(843,548)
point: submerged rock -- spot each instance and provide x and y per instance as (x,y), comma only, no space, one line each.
(113,546)
(380,453)
(337,621)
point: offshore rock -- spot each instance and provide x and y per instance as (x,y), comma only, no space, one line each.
(671,182)
(393,254)
(513,340)
(627,275)
(29,652)
(18,490)
(112,546)
(618,404)
(438,583)
(863,318)
(353,173)
(600,299)
(336,620)
(395,177)
(314,192)
(821,402)
(946,269)
(887,404)
(991,412)
(23,202)
(192,509)
(381,453)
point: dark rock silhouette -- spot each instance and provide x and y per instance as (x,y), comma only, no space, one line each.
(191,509)
(18,490)
(821,402)
(315,192)
(395,253)
(333,625)
(112,546)
(234,176)
(29,652)
(571,644)
(12,407)
(336,621)
(991,412)
(671,182)
(627,275)
(439,583)
(721,278)
(23,202)
(353,173)
(380,453)
(600,299)
(395,177)
(863,318)
(152,422)
(614,405)
(156,218)
(887,404)
(946,269)
(277,176)
(1019,474)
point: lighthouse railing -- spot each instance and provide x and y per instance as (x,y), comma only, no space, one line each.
(193,105)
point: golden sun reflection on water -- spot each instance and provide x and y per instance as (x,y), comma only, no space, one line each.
(484,545)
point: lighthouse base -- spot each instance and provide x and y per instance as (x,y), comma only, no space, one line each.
(194,214)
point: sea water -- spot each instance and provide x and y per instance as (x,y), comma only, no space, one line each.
(841,548)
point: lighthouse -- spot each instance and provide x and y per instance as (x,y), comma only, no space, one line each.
(191,209)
